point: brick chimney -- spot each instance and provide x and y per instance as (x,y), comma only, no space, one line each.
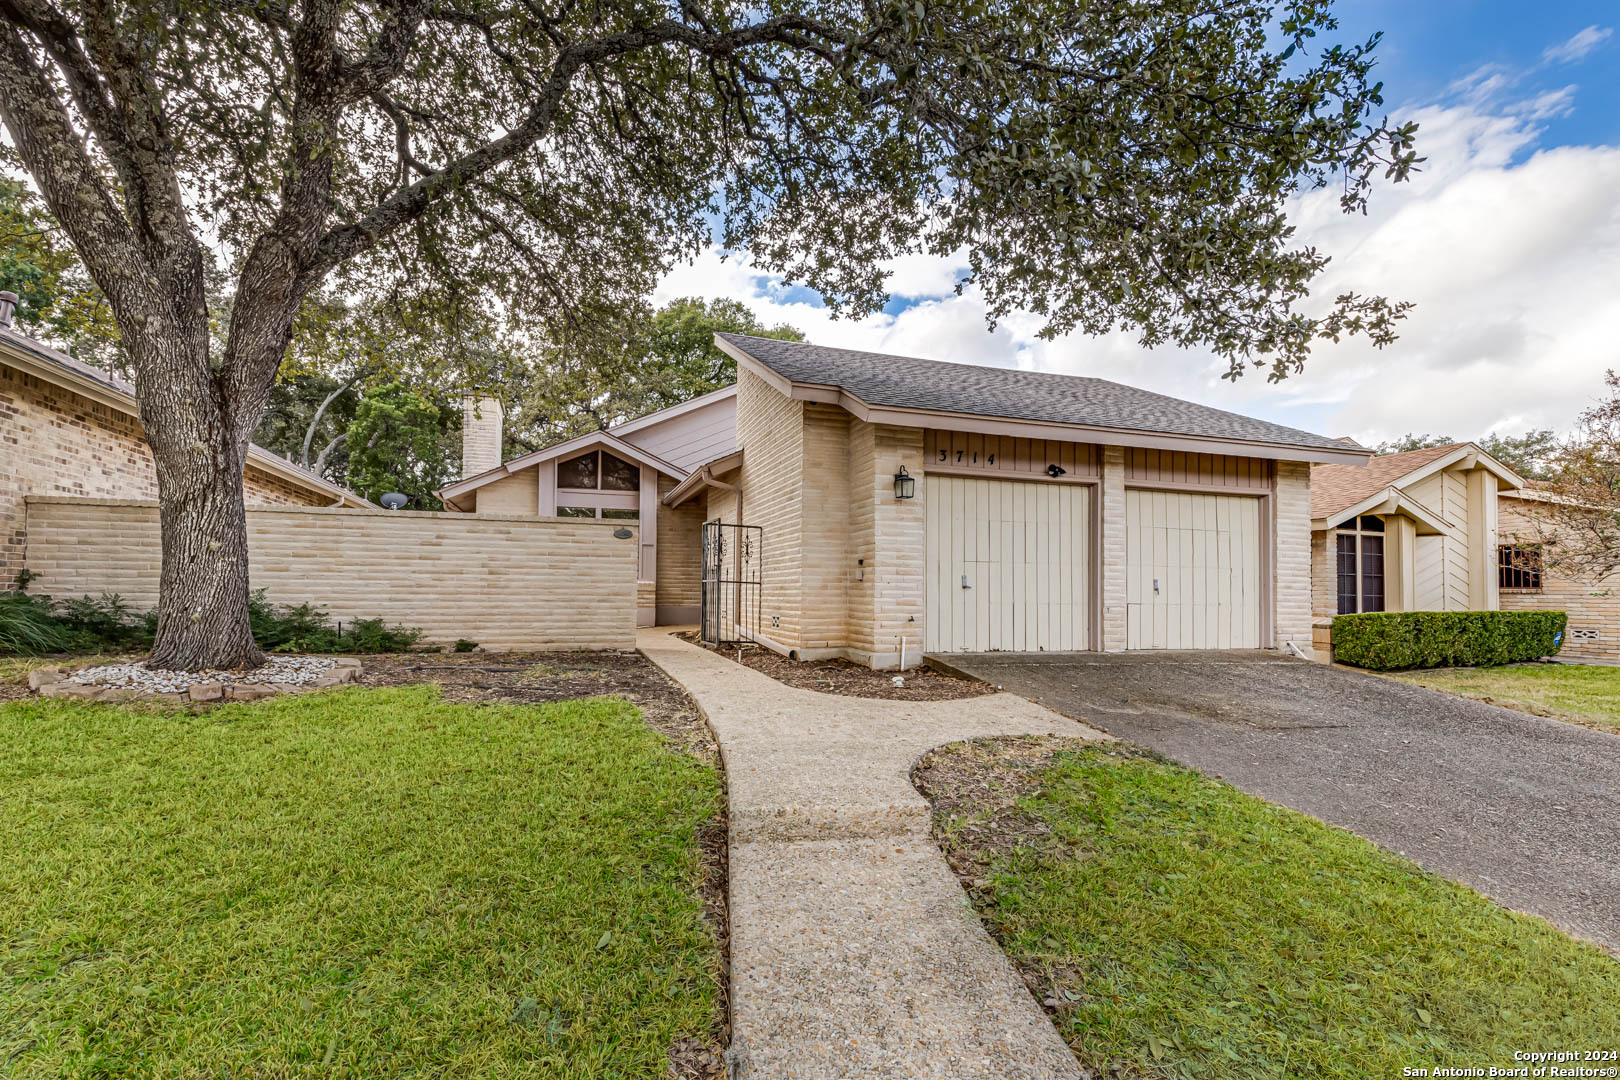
(480,435)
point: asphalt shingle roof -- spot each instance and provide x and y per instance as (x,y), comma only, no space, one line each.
(907,382)
(1337,487)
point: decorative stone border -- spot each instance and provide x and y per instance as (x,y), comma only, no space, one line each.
(53,682)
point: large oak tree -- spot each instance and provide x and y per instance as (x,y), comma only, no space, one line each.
(1104,163)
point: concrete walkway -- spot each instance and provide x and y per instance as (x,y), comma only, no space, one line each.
(854,953)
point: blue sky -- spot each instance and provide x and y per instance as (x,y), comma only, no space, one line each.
(1431,44)
(1508,242)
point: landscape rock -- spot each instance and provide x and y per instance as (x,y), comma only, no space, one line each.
(70,690)
(42,677)
(206,691)
(251,691)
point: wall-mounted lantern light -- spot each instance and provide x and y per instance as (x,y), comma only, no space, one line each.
(905,485)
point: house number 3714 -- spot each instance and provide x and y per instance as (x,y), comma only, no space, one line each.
(964,457)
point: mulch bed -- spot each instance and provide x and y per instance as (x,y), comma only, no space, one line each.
(848,679)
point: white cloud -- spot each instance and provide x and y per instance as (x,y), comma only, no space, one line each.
(1510,253)
(1578,46)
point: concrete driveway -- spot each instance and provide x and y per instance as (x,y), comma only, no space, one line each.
(1522,808)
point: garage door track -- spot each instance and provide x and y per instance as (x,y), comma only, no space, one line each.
(1523,808)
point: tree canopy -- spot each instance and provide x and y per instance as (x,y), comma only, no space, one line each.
(657,359)
(542,163)
(1531,455)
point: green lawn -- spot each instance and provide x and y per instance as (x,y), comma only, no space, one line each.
(1187,929)
(359,883)
(1588,694)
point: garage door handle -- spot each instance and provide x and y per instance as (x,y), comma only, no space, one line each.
(965,585)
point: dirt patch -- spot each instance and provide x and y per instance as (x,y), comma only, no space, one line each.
(848,679)
(538,678)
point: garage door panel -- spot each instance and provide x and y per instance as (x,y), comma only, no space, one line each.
(1023,548)
(1193,570)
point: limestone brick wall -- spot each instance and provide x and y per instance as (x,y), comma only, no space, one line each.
(1112,549)
(1593,605)
(680,553)
(505,582)
(55,442)
(770,431)
(518,493)
(825,567)
(1291,572)
(899,571)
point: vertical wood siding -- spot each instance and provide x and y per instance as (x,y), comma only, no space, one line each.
(1204,553)
(1023,550)
(1007,456)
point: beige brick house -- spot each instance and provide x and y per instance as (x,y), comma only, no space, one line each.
(70,429)
(905,506)
(1593,604)
(1416,531)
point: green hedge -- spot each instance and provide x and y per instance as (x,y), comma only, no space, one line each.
(1394,640)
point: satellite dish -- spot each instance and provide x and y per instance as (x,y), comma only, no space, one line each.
(393,500)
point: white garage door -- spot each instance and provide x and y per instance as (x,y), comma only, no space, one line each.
(1192,571)
(1008,565)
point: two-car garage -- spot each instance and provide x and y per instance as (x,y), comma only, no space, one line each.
(1013,565)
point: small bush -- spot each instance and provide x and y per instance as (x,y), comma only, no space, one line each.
(28,628)
(38,625)
(1397,640)
(463,645)
(372,636)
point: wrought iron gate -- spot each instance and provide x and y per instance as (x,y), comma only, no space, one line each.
(733,558)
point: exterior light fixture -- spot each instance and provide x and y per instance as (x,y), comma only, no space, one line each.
(1055,471)
(905,485)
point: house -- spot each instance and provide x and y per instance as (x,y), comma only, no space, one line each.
(1415,531)
(1527,584)
(68,428)
(873,507)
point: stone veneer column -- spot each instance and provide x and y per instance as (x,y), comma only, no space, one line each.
(1112,548)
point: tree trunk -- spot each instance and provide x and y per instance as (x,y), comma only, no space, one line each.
(203,595)
(199,446)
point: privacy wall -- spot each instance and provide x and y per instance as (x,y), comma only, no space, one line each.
(504,582)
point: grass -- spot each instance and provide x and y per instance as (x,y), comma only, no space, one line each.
(1586,693)
(1188,929)
(357,883)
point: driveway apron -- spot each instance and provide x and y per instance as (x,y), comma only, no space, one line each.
(854,952)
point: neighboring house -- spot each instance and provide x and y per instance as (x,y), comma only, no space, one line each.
(1527,585)
(908,505)
(1416,531)
(68,428)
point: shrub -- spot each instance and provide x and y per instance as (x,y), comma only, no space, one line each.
(1396,640)
(37,625)
(463,645)
(27,627)
(371,636)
